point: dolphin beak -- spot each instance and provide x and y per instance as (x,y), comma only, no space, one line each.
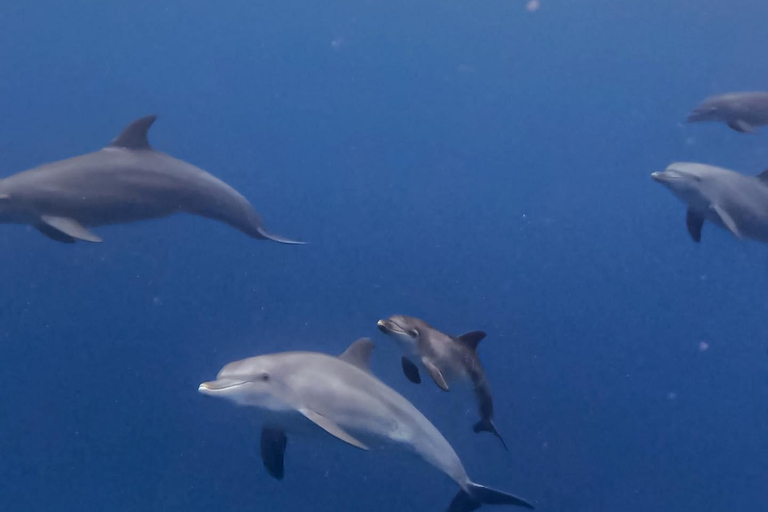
(657,176)
(382,325)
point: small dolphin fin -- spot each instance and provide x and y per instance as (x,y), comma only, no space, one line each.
(54,234)
(134,135)
(359,354)
(487,425)
(263,234)
(435,373)
(70,227)
(471,339)
(410,370)
(763,176)
(727,220)
(741,126)
(331,427)
(477,495)
(694,221)
(273,443)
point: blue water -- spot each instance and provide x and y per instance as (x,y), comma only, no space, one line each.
(472,163)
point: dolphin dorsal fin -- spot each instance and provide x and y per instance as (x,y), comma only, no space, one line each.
(471,339)
(763,176)
(135,134)
(359,354)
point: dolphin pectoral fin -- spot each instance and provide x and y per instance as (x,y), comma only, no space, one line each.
(694,221)
(54,234)
(741,126)
(273,443)
(436,374)
(331,427)
(727,220)
(70,227)
(410,370)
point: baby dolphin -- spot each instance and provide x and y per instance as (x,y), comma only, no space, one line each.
(728,199)
(741,111)
(123,182)
(445,358)
(306,390)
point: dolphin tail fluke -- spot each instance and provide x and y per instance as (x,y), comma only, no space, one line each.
(262,233)
(476,495)
(488,426)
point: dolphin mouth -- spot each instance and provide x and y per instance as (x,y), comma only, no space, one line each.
(383,326)
(219,385)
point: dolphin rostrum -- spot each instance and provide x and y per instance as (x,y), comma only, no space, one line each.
(741,111)
(728,199)
(309,390)
(123,182)
(445,358)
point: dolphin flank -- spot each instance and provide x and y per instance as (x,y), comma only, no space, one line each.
(124,182)
(301,392)
(741,111)
(445,358)
(728,199)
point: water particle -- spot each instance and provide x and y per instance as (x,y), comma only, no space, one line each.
(533,5)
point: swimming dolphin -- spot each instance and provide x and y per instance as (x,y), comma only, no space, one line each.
(742,111)
(303,390)
(728,199)
(445,358)
(123,182)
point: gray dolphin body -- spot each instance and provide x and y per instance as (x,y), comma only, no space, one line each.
(301,391)
(741,111)
(446,359)
(124,182)
(728,199)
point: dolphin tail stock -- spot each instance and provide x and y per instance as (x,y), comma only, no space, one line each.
(486,425)
(474,496)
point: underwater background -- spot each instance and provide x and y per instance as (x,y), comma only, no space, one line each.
(482,165)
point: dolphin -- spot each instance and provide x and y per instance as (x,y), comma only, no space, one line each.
(728,199)
(445,358)
(302,392)
(741,111)
(123,182)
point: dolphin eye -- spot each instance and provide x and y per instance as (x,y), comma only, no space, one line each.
(413,333)
(264,377)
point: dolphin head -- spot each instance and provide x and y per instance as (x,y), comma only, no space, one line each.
(693,183)
(253,381)
(407,330)
(12,210)
(711,109)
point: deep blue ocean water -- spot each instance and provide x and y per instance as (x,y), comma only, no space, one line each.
(472,163)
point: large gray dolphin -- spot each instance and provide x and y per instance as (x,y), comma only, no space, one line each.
(742,111)
(728,199)
(123,182)
(446,359)
(309,391)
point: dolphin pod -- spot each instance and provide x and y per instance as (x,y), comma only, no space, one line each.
(340,395)
(126,181)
